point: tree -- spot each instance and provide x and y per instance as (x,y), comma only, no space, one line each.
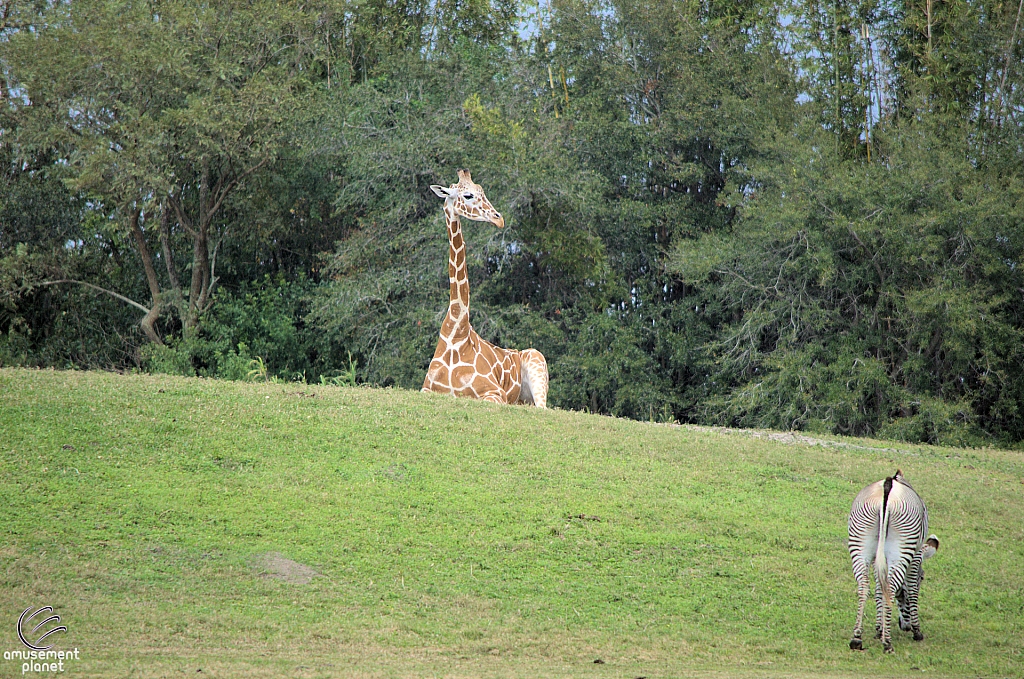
(394,137)
(160,113)
(872,298)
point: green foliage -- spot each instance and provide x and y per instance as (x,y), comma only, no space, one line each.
(168,118)
(345,378)
(935,421)
(792,215)
(607,369)
(864,295)
(62,325)
(167,360)
(186,86)
(253,333)
(257,368)
(388,280)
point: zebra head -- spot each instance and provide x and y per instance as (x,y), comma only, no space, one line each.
(931,545)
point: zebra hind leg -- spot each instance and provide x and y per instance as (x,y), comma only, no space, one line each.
(887,629)
(883,625)
(879,611)
(857,642)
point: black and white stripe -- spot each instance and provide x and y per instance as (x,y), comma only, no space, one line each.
(888,525)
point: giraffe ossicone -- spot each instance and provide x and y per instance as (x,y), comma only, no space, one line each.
(464,364)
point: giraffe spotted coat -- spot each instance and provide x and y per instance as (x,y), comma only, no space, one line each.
(464,364)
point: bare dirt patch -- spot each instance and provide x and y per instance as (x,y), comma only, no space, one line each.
(276,565)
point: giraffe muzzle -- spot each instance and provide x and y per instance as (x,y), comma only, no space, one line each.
(499,221)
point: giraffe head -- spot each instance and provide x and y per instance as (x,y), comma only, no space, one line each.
(467,199)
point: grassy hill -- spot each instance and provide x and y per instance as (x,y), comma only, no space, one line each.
(247,530)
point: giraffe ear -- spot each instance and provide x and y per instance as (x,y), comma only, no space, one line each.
(441,191)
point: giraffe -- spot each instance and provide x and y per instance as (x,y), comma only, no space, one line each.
(464,364)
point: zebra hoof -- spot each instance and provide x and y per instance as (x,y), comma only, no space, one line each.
(856,645)
(888,648)
(918,636)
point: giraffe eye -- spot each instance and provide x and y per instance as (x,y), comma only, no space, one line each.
(468,196)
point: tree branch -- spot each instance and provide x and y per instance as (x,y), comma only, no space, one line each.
(223,193)
(147,258)
(183,219)
(1006,65)
(874,255)
(95,287)
(165,245)
(208,294)
(147,321)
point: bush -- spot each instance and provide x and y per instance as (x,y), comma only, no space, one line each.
(256,331)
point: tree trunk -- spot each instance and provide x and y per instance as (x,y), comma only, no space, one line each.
(172,272)
(200,253)
(200,262)
(148,322)
(211,198)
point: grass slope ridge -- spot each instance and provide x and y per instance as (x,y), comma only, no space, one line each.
(461,538)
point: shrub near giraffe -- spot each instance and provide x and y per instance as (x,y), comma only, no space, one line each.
(464,364)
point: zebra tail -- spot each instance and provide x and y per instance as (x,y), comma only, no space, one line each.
(881,567)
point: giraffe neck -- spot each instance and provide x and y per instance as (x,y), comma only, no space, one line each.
(457,322)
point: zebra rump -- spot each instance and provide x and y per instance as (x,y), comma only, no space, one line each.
(887,528)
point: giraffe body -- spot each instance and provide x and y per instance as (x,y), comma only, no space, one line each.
(465,364)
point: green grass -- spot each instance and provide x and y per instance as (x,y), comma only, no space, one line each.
(449,540)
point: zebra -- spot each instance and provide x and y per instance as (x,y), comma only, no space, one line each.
(888,525)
